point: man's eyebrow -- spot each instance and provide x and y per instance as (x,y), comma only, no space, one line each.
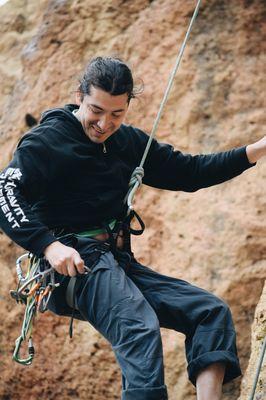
(101,109)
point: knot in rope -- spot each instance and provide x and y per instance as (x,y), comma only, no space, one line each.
(134,183)
(136,176)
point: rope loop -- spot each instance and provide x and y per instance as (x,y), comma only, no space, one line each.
(136,176)
(134,183)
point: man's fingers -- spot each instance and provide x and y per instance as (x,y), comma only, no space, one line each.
(79,264)
(60,267)
(66,260)
(71,268)
(66,267)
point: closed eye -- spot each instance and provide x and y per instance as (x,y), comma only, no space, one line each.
(116,115)
(95,111)
(98,111)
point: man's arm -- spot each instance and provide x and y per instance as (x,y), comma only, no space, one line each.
(17,219)
(24,175)
(170,169)
(256,150)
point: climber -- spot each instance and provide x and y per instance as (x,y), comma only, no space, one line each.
(62,198)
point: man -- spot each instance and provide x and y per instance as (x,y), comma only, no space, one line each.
(62,195)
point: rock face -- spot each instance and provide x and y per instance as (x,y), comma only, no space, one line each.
(257,351)
(215,238)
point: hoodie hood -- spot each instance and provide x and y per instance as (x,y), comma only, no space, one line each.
(59,113)
(51,118)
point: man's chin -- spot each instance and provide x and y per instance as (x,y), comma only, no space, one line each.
(99,138)
(94,137)
(96,140)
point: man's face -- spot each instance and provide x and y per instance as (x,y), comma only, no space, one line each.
(101,114)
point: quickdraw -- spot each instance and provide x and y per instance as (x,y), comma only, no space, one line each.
(34,290)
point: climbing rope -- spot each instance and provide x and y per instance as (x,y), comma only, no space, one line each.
(34,290)
(138,173)
(259,366)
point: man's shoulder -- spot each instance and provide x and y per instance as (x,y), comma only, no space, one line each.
(52,124)
(131,128)
(129,140)
(130,133)
(37,135)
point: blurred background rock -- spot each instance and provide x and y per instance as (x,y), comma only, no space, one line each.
(215,238)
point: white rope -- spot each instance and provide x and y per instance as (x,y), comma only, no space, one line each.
(136,177)
(137,182)
(258,369)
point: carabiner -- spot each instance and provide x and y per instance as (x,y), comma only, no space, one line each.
(16,355)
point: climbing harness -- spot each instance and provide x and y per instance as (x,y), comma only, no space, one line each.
(34,290)
(259,366)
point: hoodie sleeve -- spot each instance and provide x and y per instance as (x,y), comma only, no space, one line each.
(22,179)
(166,168)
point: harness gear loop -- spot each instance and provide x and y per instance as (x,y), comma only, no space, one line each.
(130,196)
(133,214)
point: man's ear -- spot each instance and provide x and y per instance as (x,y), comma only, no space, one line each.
(79,97)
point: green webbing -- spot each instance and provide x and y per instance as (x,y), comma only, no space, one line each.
(95,232)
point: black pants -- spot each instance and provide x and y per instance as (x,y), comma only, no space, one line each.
(128,303)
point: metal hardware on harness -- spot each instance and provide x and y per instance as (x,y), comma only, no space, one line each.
(34,290)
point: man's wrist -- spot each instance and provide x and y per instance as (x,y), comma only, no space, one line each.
(53,244)
(255,151)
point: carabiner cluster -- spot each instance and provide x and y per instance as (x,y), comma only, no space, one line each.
(34,290)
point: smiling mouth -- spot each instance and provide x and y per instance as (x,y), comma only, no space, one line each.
(97,131)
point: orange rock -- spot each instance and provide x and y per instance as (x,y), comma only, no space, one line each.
(214,238)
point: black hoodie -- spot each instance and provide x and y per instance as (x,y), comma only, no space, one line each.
(59,178)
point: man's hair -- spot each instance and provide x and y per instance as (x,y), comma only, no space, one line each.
(110,74)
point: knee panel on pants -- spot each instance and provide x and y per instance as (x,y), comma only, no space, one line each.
(216,316)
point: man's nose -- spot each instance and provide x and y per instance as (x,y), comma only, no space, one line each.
(104,122)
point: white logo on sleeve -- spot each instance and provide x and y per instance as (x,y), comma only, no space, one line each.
(12,173)
(8,202)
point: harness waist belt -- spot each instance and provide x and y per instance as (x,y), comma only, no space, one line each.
(61,232)
(97,231)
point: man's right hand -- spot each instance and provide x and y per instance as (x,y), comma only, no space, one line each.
(64,259)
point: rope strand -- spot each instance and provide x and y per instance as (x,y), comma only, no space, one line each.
(137,183)
(259,366)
